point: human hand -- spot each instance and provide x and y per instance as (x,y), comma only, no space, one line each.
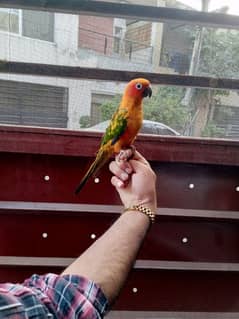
(135,181)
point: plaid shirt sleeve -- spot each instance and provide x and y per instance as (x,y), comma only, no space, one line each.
(53,296)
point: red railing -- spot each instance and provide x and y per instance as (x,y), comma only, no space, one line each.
(190,259)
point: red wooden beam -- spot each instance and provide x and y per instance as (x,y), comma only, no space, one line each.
(48,178)
(163,290)
(180,291)
(85,144)
(170,239)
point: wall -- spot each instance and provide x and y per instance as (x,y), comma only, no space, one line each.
(65,51)
(96,33)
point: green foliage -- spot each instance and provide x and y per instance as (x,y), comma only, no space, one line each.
(108,108)
(219,58)
(85,121)
(211,130)
(164,106)
(219,54)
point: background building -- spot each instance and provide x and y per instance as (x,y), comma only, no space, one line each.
(97,42)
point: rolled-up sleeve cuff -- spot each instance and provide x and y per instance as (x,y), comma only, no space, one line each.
(70,296)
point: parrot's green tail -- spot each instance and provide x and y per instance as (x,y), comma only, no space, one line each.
(101,159)
(84,180)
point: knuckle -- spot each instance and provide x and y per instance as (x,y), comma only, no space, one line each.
(121,165)
(115,169)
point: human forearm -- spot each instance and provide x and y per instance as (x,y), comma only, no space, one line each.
(109,260)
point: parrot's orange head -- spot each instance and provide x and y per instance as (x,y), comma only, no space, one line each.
(138,89)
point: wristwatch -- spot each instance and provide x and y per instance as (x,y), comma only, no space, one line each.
(143,209)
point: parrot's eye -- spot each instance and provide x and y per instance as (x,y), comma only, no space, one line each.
(138,86)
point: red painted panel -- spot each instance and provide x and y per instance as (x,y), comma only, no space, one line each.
(69,235)
(19,274)
(22,179)
(27,155)
(214,186)
(207,240)
(181,291)
(162,290)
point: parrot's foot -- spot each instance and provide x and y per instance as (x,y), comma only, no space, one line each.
(127,154)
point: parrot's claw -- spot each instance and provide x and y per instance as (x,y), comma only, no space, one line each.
(126,154)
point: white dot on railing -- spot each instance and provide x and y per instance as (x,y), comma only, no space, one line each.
(46,178)
(93,236)
(97,180)
(237,188)
(44,235)
(191,186)
(135,290)
(184,240)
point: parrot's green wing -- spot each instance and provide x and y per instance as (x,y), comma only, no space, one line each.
(116,127)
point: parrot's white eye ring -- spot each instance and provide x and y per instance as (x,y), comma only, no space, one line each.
(139,86)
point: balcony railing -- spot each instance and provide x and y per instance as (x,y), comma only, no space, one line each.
(117,47)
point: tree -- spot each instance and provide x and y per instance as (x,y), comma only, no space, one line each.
(85,121)
(219,58)
(219,53)
(108,107)
(211,130)
(197,45)
(216,52)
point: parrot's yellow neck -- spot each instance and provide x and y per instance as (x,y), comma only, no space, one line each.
(134,113)
(131,103)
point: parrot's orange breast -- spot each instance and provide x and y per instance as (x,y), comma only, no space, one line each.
(134,123)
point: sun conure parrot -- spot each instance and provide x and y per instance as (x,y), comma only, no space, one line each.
(123,127)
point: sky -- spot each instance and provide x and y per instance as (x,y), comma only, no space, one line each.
(215,4)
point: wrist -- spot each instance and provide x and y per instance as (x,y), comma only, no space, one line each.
(143,209)
(149,202)
(136,218)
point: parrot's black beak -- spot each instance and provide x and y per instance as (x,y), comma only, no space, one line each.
(147,92)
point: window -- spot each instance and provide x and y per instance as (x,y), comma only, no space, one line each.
(33,104)
(177,47)
(38,25)
(9,20)
(226,119)
(32,24)
(97,99)
(118,34)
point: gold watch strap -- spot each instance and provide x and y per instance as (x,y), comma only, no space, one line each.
(143,209)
